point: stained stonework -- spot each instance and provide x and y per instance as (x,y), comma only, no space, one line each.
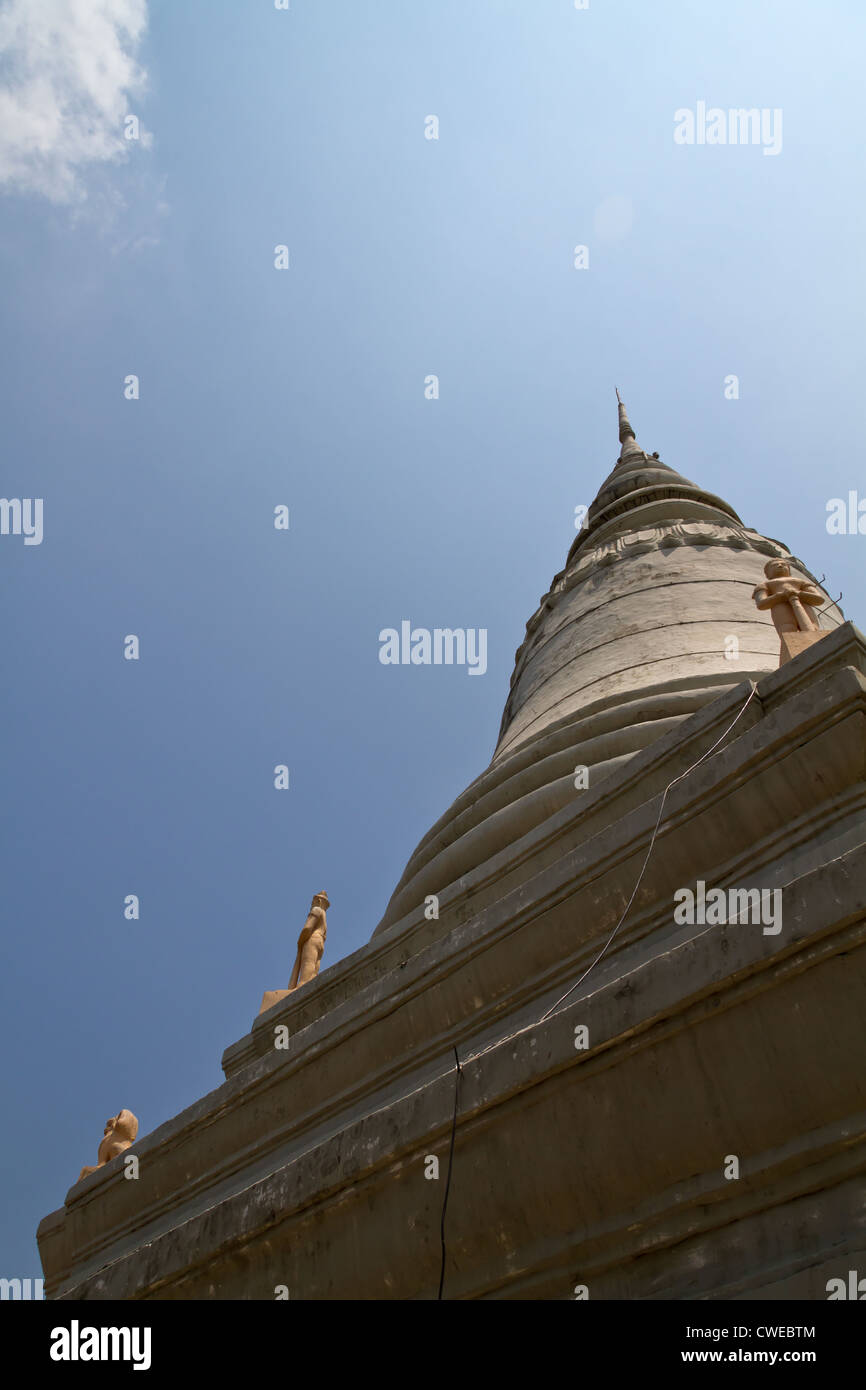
(651,619)
(597,1111)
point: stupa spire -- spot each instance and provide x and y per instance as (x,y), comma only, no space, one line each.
(625,429)
(626,433)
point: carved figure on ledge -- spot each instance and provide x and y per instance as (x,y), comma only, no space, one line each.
(311,946)
(311,943)
(790,601)
(119,1134)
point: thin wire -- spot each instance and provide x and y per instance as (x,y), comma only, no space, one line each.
(604,948)
(448,1179)
(500,1042)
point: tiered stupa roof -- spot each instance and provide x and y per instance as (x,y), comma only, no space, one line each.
(651,619)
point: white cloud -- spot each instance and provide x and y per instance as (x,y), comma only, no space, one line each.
(67,72)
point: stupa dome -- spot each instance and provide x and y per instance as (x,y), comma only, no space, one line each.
(651,619)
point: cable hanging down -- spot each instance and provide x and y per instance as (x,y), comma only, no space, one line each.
(556,1007)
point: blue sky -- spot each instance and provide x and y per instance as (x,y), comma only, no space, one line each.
(305,387)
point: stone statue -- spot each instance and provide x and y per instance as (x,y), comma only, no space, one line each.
(119,1133)
(790,600)
(311,943)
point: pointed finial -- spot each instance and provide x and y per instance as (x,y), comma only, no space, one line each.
(625,429)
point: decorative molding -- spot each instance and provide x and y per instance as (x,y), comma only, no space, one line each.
(643,542)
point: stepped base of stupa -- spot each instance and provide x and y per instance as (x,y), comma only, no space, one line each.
(689,1122)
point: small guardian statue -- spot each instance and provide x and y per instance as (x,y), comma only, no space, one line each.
(119,1134)
(311,943)
(790,601)
(311,946)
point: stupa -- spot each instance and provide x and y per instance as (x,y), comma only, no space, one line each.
(633,1097)
(651,619)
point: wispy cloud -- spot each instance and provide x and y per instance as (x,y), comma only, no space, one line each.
(68,69)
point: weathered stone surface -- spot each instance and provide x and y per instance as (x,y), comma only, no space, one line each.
(272,997)
(617,1055)
(604,1166)
(793,643)
(652,617)
(668,622)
